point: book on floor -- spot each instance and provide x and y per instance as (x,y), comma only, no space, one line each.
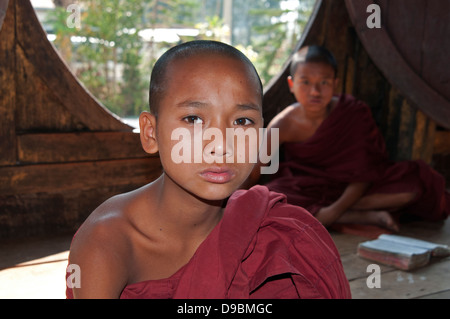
(402,252)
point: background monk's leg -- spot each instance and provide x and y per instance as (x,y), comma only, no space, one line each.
(375,217)
(376,209)
(389,202)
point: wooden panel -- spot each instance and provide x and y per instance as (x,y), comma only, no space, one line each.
(48,178)
(3,7)
(392,122)
(383,51)
(420,34)
(442,142)
(405,23)
(406,131)
(77,147)
(349,78)
(410,133)
(54,73)
(369,85)
(24,215)
(336,36)
(424,136)
(436,46)
(441,164)
(38,107)
(7,88)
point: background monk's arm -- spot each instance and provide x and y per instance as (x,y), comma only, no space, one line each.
(354,191)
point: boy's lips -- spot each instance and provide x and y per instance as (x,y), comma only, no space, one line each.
(217,175)
(315,101)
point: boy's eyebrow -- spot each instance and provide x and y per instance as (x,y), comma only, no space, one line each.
(192,104)
(324,77)
(249,106)
(198,104)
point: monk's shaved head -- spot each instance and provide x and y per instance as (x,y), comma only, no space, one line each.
(160,77)
(313,54)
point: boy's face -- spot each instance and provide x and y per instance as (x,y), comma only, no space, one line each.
(206,95)
(313,85)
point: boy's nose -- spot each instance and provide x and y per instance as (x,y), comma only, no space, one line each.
(221,149)
(315,89)
(223,146)
(217,146)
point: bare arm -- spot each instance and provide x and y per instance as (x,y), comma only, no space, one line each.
(102,269)
(354,191)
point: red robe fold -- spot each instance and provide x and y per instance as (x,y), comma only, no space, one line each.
(346,148)
(262,248)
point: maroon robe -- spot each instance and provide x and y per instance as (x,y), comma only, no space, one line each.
(347,148)
(262,248)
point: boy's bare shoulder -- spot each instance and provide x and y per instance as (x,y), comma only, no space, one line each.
(101,249)
(104,246)
(107,230)
(102,226)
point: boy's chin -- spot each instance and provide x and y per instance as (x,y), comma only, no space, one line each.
(215,194)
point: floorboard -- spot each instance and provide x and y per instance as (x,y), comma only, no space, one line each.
(429,282)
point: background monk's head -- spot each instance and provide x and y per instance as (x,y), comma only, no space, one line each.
(313,54)
(313,80)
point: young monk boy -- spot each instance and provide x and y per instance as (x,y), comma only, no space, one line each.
(336,165)
(179,236)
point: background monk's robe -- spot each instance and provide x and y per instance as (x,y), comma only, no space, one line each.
(262,248)
(346,148)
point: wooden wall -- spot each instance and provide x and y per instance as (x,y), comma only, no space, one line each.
(61,152)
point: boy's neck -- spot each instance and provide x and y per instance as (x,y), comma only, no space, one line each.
(183,212)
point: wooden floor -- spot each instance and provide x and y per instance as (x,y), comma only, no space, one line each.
(430,282)
(35,268)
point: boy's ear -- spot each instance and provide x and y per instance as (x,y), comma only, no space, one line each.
(147,125)
(290,82)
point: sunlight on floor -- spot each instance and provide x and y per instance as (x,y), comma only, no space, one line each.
(41,278)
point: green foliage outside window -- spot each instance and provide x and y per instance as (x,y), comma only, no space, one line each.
(111,59)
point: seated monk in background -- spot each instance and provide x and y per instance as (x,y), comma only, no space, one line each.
(336,165)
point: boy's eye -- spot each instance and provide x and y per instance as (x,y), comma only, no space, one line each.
(243,121)
(193,119)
